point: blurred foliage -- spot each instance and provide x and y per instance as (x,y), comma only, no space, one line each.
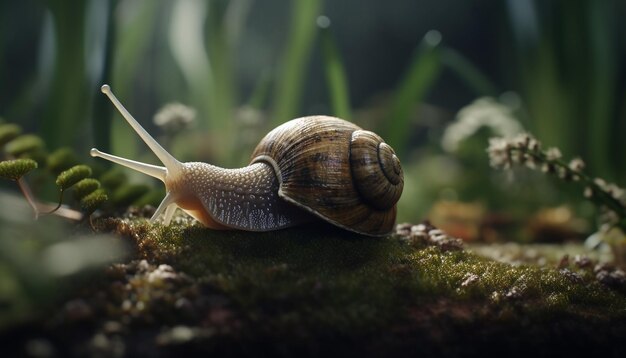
(561,61)
(17,168)
(73,175)
(245,66)
(40,261)
(21,154)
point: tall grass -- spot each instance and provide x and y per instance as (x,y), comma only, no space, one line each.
(295,60)
(336,78)
(568,70)
(67,102)
(423,71)
(565,65)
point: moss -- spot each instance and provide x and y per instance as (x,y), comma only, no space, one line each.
(92,201)
(85,186)
(17,168)
(73,175)
(317,290)
(320,276)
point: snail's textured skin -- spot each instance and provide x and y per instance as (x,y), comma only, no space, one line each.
(319,160)
(244,198)
(310,166)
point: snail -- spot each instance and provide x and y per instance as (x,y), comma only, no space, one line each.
(307,168)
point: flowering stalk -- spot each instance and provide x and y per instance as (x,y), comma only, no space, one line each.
(526,150)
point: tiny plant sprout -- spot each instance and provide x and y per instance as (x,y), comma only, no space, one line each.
(85,186)
(17,168)
(69,178)
(72,176)
(172,169)
(93,200)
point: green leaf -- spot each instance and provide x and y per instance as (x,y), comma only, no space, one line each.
(72,176)
(85,187)
(8,132)
(15,169)
(93,201)
(24,144)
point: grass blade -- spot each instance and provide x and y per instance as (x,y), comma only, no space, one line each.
(602,94)
(470,74)
(66,106)
(296,59)
(335,71)
(422,73)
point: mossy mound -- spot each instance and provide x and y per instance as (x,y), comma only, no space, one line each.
(314,290)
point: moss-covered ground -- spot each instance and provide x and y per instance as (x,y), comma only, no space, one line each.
(314,290)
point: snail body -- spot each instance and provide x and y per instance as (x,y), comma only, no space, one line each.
(307,168)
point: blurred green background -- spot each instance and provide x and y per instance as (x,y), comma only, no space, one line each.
(401,68)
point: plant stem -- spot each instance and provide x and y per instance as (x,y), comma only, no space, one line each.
(603,197)
(43,208)
(28,195)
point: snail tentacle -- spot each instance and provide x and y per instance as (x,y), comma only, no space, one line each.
(154,171)
(169,214)
(167,201)
(311,166)
(174,167)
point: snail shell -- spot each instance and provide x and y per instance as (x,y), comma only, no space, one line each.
(334,169)
(317,165)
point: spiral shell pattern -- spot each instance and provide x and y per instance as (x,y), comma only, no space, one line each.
(313,158)
(376,170)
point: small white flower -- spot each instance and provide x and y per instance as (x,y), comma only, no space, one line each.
(577,165)
(522,140)
(517,157)
(174,116)
(601,183)
(534,145)
(498,150)
(615,191)
(553,153)
(483,112)
(531,163)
